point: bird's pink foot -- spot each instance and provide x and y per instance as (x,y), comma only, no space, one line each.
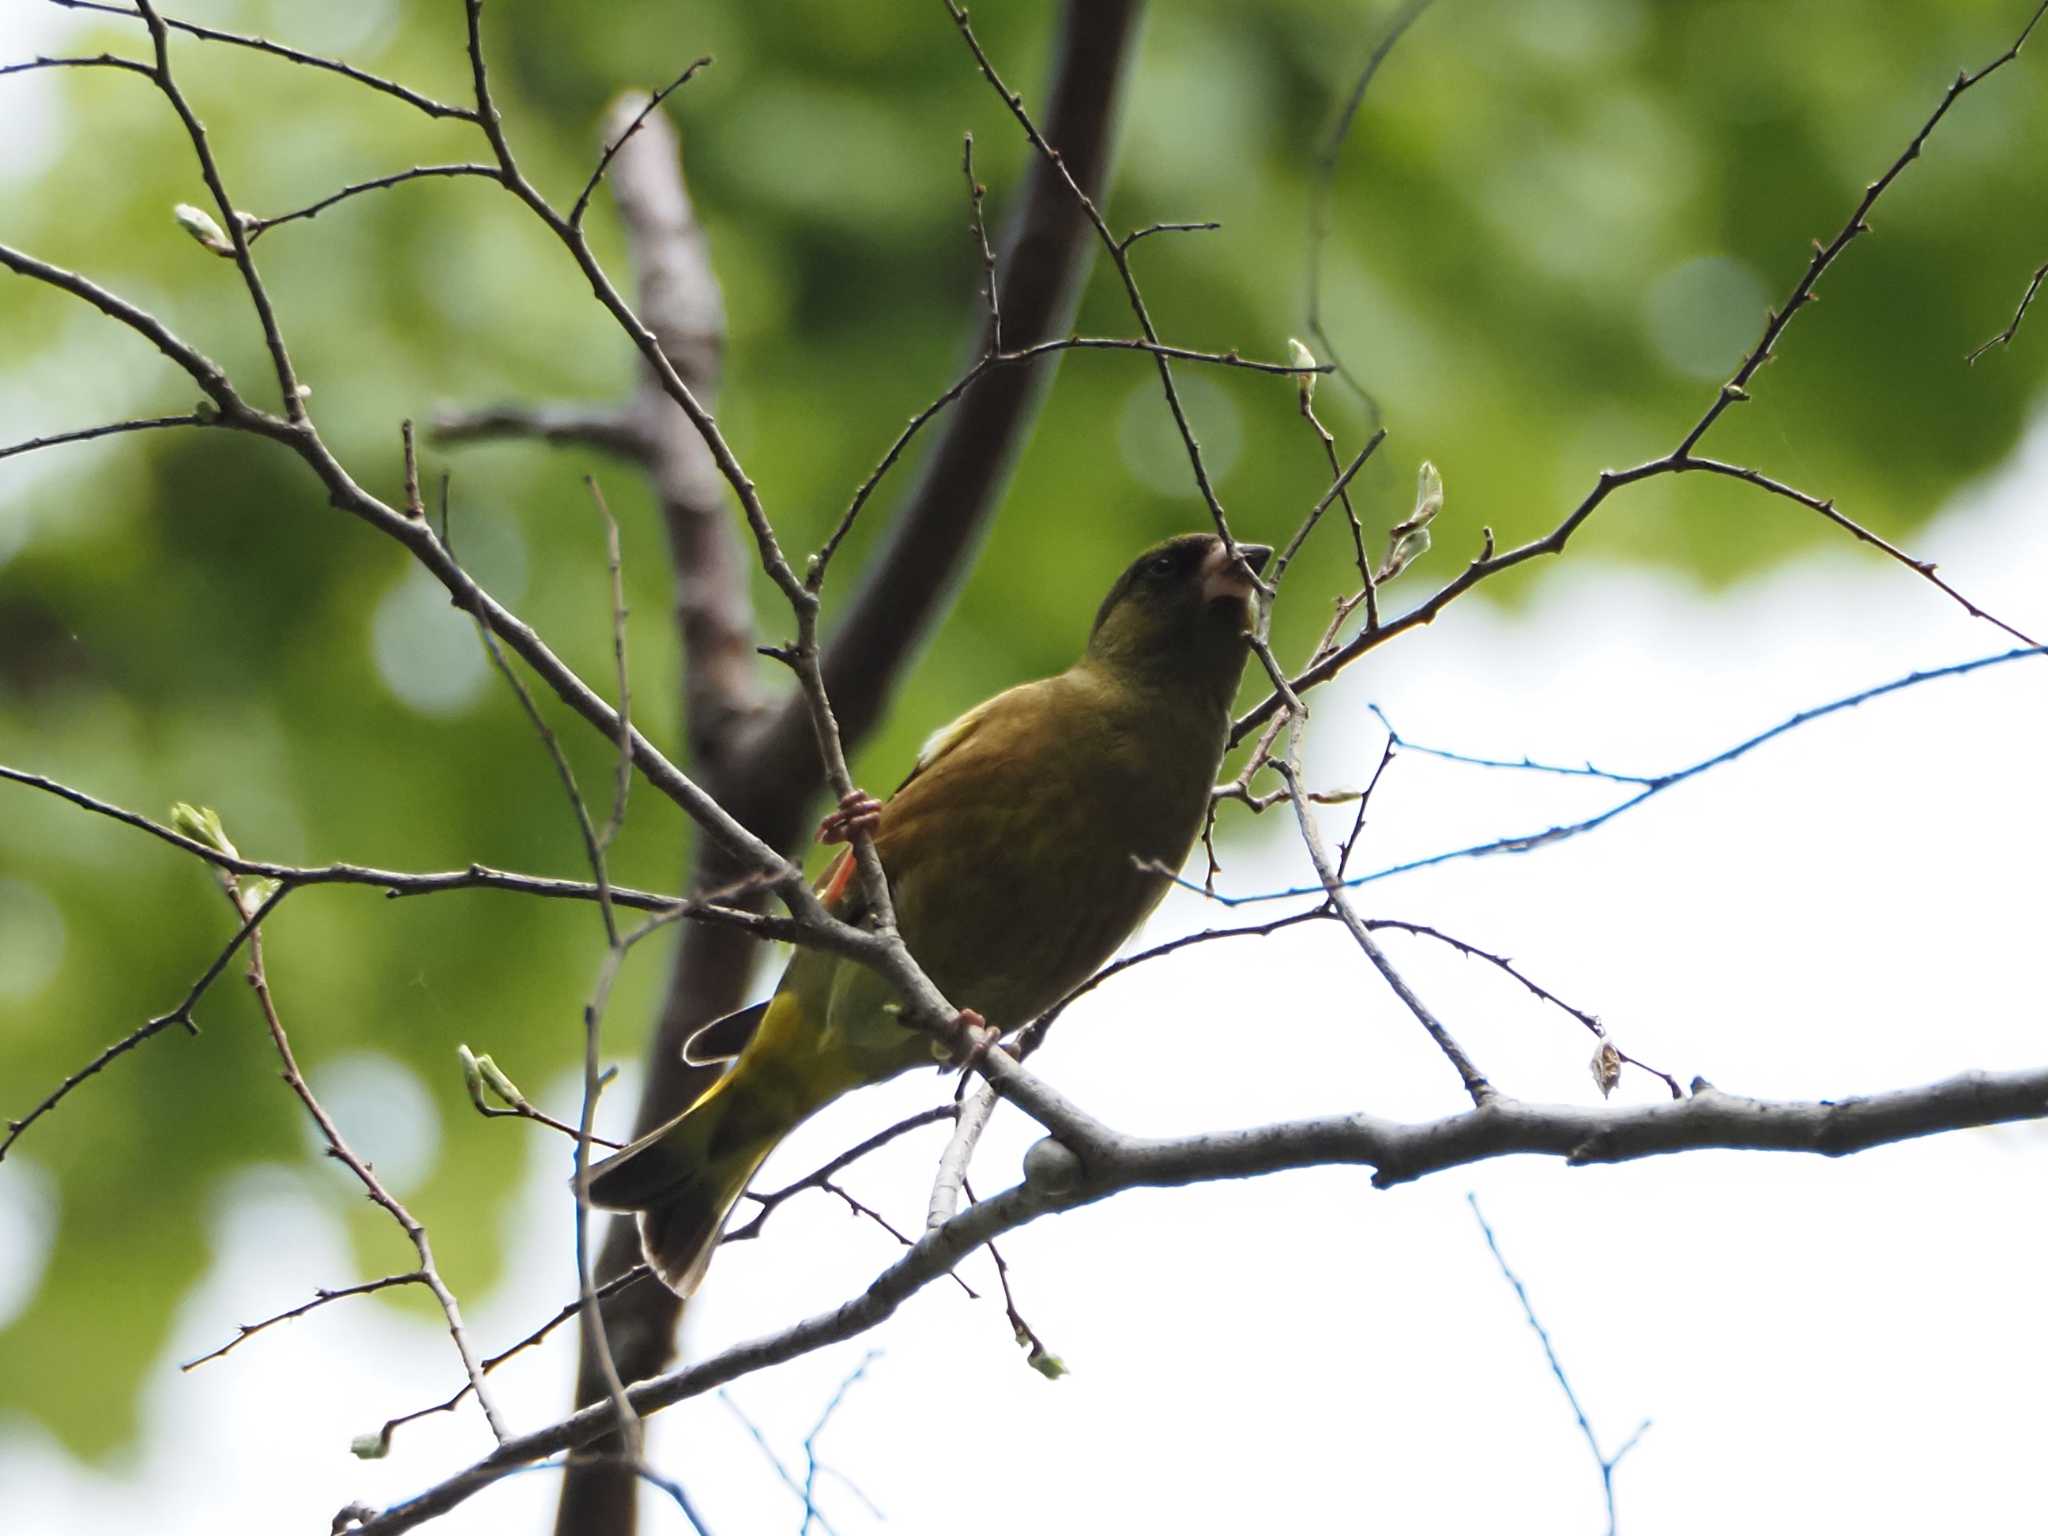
(976,1037)
(859,812)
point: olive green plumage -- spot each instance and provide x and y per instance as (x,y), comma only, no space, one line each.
(1016,854)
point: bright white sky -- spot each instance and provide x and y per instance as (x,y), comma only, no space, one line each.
(1851,1345)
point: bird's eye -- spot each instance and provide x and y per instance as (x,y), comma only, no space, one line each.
(1160,566)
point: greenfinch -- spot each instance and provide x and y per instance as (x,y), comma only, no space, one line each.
(1030,839)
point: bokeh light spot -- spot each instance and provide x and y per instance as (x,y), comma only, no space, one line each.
(1151,444)
(31,940)
(1703,314)
(384,1111)
(28,1222)
(426,652)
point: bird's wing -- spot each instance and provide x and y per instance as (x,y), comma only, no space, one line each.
(837,886)
(723,1039)
(952,735)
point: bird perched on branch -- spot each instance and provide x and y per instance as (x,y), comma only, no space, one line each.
(1025,846)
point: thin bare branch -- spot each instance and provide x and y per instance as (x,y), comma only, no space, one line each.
(87,434)
(818,1178)
(204,372)
(1184,228)
(55,1096)
(1523,842)
(1606,1463)
(622,778)
(2004,337)
(393,882)
(618,142)
(1736,389)
(321,1298)
(989,363)
(257,227)
(1490,563)
(377,83)
(1340,488)
(182,1014)
(1034,1036)
(1323,183)
(339,1149)
(1036,1355)
(595,845)
(1476,1086)
(817,1429)
(782,1472)
(1119,256)
(975,192)
(1507,967)
(1523,764)
(1368,586)
(1825,506)
(288,387)
(611,1287)
(80,61)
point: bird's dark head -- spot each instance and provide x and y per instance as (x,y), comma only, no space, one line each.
(1181,611)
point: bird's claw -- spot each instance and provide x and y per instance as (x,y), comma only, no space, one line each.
(976,1039)
(859,813)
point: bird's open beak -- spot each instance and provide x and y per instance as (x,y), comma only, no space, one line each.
(1223,577)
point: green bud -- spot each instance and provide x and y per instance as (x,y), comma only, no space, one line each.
(1300,357)
(472,1076)
(201,823)
(1429,495)
(1408,540)
(1048,1365)
(501,1085)
(1407,548)
(372,1447)
(200,225)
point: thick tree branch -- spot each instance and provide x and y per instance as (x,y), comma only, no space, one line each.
(1397,1153)
(770,775)
(1043,258)
(680,302)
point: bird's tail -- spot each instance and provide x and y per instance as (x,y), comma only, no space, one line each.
(685,1178)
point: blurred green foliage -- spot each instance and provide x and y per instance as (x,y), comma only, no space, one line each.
(1557,225)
